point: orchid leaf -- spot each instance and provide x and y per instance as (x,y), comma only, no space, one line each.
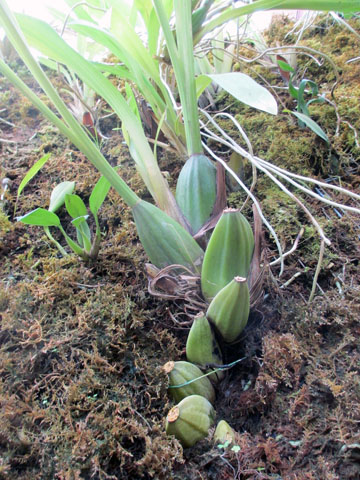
(40,217)
(246,90)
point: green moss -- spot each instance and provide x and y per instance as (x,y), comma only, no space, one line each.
(5,224)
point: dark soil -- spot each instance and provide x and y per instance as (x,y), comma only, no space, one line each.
(82,393)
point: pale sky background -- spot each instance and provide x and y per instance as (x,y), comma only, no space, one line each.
(37,8)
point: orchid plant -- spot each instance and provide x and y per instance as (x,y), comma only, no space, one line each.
(165,230)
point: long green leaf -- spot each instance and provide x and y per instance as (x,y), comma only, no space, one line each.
(125,55)
(32,172)
(309,122)
(76,133)
(98,195)
(126,35)
(346,6)
(186,76)
(55,47)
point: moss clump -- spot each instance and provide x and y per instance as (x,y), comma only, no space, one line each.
(5,224)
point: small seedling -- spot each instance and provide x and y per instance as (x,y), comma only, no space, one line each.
(298,93)
(225,445)
(86,246)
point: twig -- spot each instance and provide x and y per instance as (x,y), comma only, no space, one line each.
(7,123)
(317,271)
(356,138)
(290,281)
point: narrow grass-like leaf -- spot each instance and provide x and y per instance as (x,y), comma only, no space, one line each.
(125,55)
(35,31)
(32,172)
(126,35)
(309,122)
(344,6)
(245,89)
(83,231)
(98,195)
(57,198)
(40,217)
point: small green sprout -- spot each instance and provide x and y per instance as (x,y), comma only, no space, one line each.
(225,445)
(86,245)
(298,93)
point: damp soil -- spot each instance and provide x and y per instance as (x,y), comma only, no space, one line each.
(82,392)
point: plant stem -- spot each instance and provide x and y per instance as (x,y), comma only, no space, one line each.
(186,80)
(182,59)
(57,244)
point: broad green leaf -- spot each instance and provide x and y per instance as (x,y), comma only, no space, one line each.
(98,195)
(57,198)
(246,90)
(202,82)
(32,172)
(309,122)
(40,217)
(75,206)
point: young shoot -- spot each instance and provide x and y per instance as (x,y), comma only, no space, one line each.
(302,107)
(86,245)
